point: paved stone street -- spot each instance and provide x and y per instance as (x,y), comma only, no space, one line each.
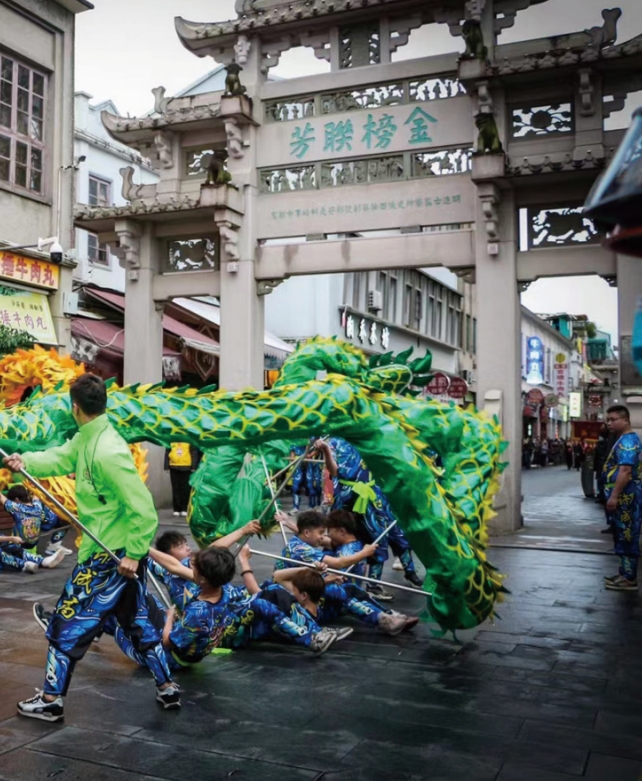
(551,692)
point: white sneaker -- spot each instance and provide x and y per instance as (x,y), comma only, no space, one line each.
(31,567)
(53,561)
(397,565)
(176,515)
(38,708)
(184,514)
(55,547)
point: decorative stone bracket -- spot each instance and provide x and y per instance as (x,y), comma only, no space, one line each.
(587,92)
(135,192)
(127,250)
(265,286)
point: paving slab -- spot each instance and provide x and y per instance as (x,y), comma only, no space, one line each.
(550,691)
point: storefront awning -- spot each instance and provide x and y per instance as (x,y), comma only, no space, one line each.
(273,347)
(104,336)
(188,335)
(29,312)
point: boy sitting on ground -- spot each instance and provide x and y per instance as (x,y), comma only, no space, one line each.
(14,556)
(31,518)
(307,544)
(323,602)
(175,544)
(342,532)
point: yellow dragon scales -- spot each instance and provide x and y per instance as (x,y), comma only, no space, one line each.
(327,387)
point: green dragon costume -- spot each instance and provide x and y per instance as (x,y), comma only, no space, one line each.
(326,388)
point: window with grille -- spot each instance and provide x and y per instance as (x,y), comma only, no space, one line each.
(22,130)
(99,192)
(97,252)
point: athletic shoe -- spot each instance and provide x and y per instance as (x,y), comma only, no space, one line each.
(341,631)
(38,708)
(184,514)
(608,530)
(410,621)
(621,584)
(169,697)
(293,511)
(397,565)
(321,641)
(42,616)
(391,623)
(52,561)
(379,593)
(55,547)
(611,578)
(176,515)
(31,567)
(414,579)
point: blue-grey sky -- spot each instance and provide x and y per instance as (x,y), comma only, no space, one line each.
(125,48)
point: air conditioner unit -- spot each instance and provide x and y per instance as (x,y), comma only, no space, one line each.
(375,300)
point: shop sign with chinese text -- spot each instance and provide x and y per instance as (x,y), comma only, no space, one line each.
(458,388)
(387,130)
(29,271)
(29,312)
(362,331)
(560,375)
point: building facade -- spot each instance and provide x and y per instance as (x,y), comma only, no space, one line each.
(380,311)
(451,155)
(37,164)
(99,183)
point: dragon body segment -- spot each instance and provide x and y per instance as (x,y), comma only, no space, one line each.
(326,388)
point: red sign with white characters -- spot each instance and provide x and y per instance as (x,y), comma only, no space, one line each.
(458,388)
(438,385)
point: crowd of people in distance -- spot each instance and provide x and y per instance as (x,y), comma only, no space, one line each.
(553,452)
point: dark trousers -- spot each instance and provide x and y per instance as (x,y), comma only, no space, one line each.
(180,489)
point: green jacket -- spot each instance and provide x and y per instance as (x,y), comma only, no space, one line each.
(113,502)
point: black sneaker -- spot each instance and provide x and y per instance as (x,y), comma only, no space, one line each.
(38,708)
(42,616)
(413,578)
(379,593)
(170,697)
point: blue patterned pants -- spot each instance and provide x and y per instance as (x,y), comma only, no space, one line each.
(625,524)
(94,594)
(348,600)
(15,557)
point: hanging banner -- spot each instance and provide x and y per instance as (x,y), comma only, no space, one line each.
(29,312)
(535,361)
(575,409)
(29,271)
(560,375)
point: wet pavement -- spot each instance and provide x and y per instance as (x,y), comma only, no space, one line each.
(551,692)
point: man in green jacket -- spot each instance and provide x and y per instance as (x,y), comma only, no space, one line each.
(114,504)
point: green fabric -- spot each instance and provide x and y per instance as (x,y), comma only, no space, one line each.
(365,493)
(103,465)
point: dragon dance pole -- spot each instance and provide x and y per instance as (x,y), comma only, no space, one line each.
(376,542)
(418,592)
(269,482)
(294,465)
(61,507)
(159,591)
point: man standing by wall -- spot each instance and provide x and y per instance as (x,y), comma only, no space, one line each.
(114,504)
(623,492)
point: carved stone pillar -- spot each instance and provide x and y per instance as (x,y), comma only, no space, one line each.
(498,341)
(143,318)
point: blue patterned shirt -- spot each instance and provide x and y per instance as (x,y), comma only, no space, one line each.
(204,625)
(349,549)
(298,550)
(28,518)
(181,591)
(627,451)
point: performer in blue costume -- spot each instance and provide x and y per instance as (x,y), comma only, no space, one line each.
(356,490)
(308,478)
(623,491)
